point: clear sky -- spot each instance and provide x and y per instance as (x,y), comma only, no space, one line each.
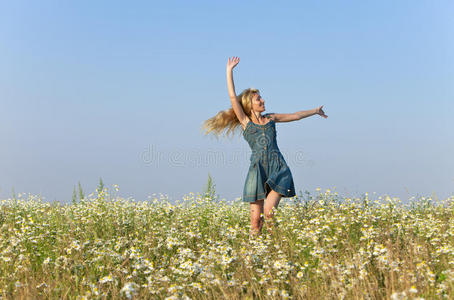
(119,90)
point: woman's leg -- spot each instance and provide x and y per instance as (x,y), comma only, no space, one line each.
(271,204)
(256,218)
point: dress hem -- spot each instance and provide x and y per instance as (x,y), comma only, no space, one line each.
(275,187)
(281,190)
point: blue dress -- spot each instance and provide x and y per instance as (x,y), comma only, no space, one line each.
(268,169)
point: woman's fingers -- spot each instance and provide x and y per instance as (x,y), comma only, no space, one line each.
(232,62)
(233,59)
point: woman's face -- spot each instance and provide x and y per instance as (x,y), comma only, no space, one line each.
(258,104)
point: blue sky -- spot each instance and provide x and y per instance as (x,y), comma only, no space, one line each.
(118,90)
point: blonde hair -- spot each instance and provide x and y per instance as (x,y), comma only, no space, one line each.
(227,118)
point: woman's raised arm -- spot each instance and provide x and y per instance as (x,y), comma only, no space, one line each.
(230,85)
(237,108)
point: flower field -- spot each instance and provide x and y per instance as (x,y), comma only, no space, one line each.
(320,247)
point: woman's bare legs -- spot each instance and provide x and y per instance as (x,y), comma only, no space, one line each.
(256,217)
(271,204)
(266,207)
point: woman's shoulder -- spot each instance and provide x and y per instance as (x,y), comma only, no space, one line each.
(269,116)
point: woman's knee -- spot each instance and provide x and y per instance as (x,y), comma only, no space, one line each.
(269,212)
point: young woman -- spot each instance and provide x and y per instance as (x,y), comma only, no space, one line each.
(269,177)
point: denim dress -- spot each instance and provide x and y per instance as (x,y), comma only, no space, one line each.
(268,169)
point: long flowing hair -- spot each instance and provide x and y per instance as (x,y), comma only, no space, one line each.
(226,119)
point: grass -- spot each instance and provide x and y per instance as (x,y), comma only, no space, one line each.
(321,247)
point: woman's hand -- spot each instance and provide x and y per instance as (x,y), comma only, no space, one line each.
(321,112)
(232,62)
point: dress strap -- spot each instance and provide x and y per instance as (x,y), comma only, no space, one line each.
(268,115)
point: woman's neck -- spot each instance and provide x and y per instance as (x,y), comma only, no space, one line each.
(259,118)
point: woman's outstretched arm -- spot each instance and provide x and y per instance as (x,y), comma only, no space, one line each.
(298,115)
(237,108)
(307,113)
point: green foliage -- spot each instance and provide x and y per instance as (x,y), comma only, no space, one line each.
(74,199)
(100,186)
(81,193)
(210,188)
